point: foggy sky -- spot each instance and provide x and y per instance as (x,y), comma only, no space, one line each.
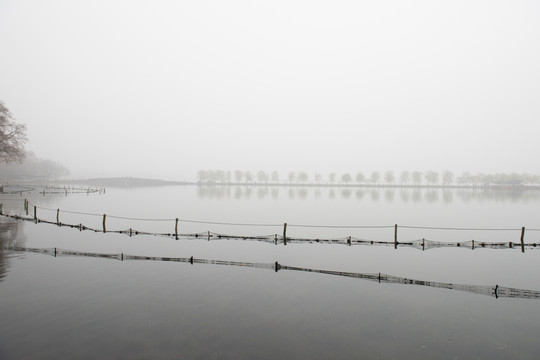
(165,88)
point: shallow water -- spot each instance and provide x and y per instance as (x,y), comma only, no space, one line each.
(85,307)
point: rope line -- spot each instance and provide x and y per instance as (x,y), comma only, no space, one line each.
(420,244)
(279,225)
(456,228)
(343,226)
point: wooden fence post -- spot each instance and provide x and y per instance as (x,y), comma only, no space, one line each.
(285,233)
(1,210)
(176,229)
(395,236)
(35,213)
(57,216)
(104,219)
(522,239)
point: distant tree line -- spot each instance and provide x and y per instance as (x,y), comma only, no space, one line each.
(416,178)
(33,167)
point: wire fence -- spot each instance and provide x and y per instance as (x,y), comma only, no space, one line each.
(30,213)
(14,189)
(494,291)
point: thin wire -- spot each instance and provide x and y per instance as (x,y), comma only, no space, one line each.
(344,226)
(225,223)
(292,225)
(455,228)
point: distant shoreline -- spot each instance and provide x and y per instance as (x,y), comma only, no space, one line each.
(145,182)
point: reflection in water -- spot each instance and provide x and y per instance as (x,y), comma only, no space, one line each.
(448,196)
(432,196)
(416,195)
(495,291)
(346,193)
(405,195)
(389,195)
(10,236)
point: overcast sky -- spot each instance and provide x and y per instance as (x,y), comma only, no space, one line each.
(165,88)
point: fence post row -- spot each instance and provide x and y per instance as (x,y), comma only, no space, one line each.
(349,239)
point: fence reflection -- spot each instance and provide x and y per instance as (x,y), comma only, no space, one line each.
(493,291)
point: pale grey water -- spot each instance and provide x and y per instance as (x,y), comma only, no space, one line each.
(89,307)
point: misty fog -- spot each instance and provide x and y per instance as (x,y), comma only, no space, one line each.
(164,88)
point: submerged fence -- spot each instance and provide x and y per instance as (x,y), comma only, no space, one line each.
(48,190)
(31,214)
(494,291)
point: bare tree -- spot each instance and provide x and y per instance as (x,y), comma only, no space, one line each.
(360,177)
(303,177)
(375,177)
(238,175)
(389,177)
(417,177)
(262,177)
(447,177)
(332,177)
(12,137)
(346,178)
(292,176)
(405,177)
(432,177)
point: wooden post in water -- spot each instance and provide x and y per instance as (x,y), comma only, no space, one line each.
(35,213)
(1,210)
(423,244)
(395,236)
(522,239)
(57,216)
(349,241)
(285,233)
(473,244)
(176,229)
(104,219)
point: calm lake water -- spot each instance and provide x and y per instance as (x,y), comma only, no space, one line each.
(88,307)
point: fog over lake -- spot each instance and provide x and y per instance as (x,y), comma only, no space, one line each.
(166,88)
(344,179)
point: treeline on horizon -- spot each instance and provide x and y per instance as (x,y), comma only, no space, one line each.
(416,178)
(33,167)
